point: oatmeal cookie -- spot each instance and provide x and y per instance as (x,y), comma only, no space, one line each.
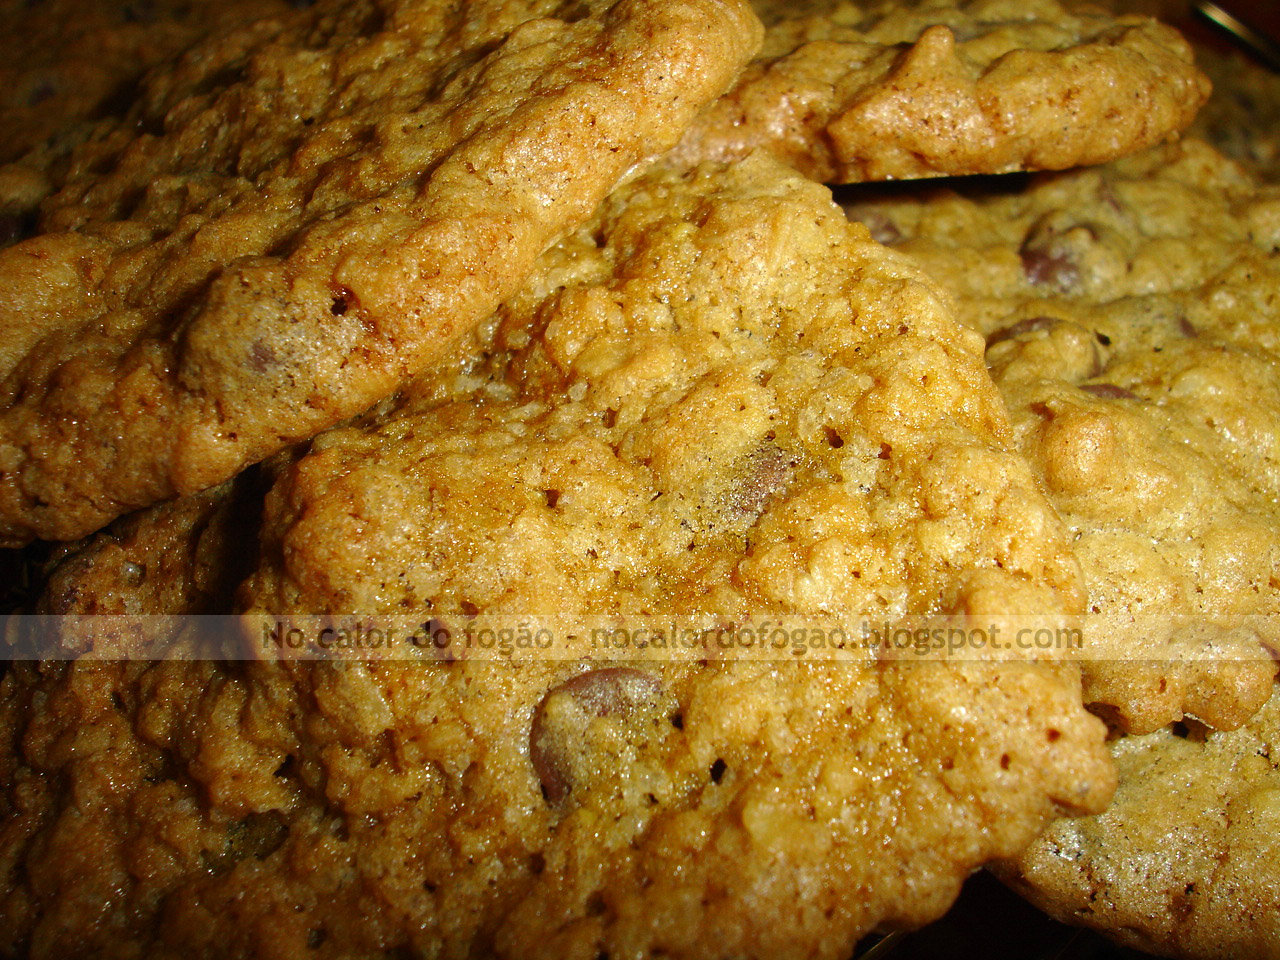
(1185,861)
(717,395)
(182,546)
(713,396)
(747,809)
(1132,316)
(884,90)
(300,214)
(67,64)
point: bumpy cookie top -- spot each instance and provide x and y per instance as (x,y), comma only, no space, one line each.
(884,90)
(62,61)
(714,396)
(717,395)
(1133,323)
(1186,861)
(299,215)
(540,810)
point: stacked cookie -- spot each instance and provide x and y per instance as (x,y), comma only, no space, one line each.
(533,312)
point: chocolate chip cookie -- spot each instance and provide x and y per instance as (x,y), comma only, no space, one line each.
(717,398)
(1183,863)
(300,214)
(848,92)
(1132,316)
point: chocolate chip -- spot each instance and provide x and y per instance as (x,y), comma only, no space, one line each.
(1186,328)
(1050,253)
(611,691)
(1027,325)
(1109,391)
(1046,269)
(261,356)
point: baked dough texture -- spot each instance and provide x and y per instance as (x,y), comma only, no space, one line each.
(66,61)
(187,808)
(713,397)
(1184,862)
(1132,316)
(716,397)
(886,90)
(301,213)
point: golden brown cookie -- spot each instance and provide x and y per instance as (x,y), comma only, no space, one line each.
(706,803)
(1184,863)
(1132,316)
(299,215)
(713,397)
(716,396)
(883,90)
(186,555)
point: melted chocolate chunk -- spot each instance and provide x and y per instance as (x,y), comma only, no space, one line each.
(612,691)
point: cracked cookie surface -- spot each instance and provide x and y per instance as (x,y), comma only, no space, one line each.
(712,396)
(1132,316)
(717,398)
(1184,862)
(300,214)
(850,92)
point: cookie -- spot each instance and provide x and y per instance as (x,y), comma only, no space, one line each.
(65,61)
(684,411)
(706,802)
(300,214)
(67,64)
(890,90)
(712,397)
(112,594)
(1132,316)
(1241,117)
(151,553)
(1184,862)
